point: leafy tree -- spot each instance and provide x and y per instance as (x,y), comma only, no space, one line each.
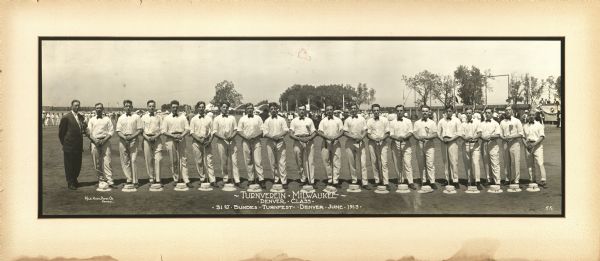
(225,91)
(424,84)
(471,82)
(558,86)
(262,102)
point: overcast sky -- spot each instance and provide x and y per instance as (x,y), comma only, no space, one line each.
(110,71)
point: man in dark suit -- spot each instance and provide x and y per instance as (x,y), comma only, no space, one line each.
(70,133)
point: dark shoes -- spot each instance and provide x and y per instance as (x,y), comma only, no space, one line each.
(366,187)
(542,184)
(412,186)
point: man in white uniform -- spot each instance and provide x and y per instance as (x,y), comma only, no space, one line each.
(129,126)
(512,133)
(449,132)
(151,123)
(490,132)
(224,129)
(250,129)
(471,133)
(201,132)
(401,129)
(274,129)
(355,129)
(534,149)
(425,131)
(175,127)
(302,131)
(100,130)
(331,129)
(377,133)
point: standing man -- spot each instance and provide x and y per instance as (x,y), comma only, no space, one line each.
(471,133)
(250,129)
(331,129)
(355,129)
(401,129)
(70,135)
(129,126)
(175,127)
(302,132)
(224,129)
(425,130)
(274,129)
(490,132)
(378,130)
(534,149)
(512,133)
(151,131)
(448,133)
(201,130)
(100,130)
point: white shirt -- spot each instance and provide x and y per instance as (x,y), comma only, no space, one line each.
(489,128)
(274,127)
(129,124)
(151,124)
(224,126)
(449,128)
(172,124)
(331,127)
(100,128)
(424,128)
(250,126)
(511,127)
(201,126)
(378,128)
(302,127)
(470,129)
(355,125)
(533,131)
(74,114)
(400,128)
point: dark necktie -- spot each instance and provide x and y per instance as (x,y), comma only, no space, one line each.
(355,117)
(469,121)
(99,116)
(399,118)
(274,117)
(376,118)
(200,116)
(423,119)
(175,115)
(250,115)
(488,120)
(302,118)
(330,117)
(151,114)
(224,116)
(128,114)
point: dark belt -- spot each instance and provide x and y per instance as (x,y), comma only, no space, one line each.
(176,132)
(151,135)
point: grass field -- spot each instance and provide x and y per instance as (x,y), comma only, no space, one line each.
(56,199)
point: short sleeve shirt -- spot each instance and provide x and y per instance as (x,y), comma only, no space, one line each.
(224,126)
(201,126)
(129,124)
(378,128)
(489,128)
(449,128)
(250,126)
(533,131)
(511,126)
(302,127)
(355,125)
(275,126)
(470,129)
(400,127)
(424,128)
(151,124)
(177,124)
(331,127)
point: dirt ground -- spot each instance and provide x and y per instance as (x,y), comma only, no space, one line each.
(57,200)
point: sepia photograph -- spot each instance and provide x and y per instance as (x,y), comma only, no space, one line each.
(301,126)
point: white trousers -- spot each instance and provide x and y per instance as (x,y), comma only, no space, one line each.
(402,158)
(471,160)
(512,160)
(357,159)
(128,153)
(491,161)
(101,159)
(535,162)
(228,154)
(152,156)
(425,159)
(331,155)
(450,158)
(304,155)
(204,162)
(276,154)
(178,158)
(379,160)
(253,157)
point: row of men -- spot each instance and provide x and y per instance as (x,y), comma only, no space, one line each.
(480,138)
